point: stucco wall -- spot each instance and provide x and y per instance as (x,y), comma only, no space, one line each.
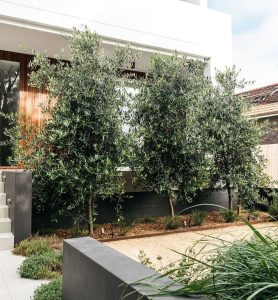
(150,25)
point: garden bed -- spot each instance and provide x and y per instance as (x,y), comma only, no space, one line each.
(147,227)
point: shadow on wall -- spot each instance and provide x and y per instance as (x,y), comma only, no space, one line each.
(138,205)
(141,204)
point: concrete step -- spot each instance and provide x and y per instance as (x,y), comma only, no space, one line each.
(4,211)
(5,225)
(3,199)
(6,241)
(2,187)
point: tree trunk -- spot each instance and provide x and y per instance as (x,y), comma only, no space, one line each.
(239,206)
(171,207)
(230,196)
(90,215)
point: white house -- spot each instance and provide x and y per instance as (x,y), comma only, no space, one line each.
(187,26)
(164,26)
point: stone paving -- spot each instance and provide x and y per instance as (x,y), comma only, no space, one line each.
(12,287)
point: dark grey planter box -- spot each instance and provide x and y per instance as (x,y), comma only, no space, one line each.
(93,271)
(18,188)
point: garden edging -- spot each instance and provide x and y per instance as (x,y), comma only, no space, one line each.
(190,229)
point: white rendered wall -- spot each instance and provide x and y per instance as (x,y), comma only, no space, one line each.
(203,3)
(152,25)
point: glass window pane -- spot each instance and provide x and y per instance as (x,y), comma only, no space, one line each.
(9,98)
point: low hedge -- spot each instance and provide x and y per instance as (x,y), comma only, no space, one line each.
(43,266)
(49,291)
(32,247)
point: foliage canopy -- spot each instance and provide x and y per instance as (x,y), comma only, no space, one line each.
(170,148)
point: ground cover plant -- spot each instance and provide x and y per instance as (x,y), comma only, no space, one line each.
(43,260)
(32,247)
(49,291)
(47,265)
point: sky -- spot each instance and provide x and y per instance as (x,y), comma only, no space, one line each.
(255,38)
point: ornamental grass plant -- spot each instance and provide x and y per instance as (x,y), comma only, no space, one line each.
(221,270)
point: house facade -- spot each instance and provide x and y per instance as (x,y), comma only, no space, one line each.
(265,108)
(163,26)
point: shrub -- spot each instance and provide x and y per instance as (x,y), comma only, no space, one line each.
(172,223)
(261,205)
(49,291)
(124,225)
(147,220)
(198,217)
(273,209)
(44,266)
(228,216)
(32,247)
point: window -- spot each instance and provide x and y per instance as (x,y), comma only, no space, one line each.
(9,98)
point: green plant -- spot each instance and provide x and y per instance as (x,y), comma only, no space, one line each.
(43,266)
(32,247)
(273,209)
(76,155)
(228,216)
(49,291)
(234,139)
(185,268)
(245,270)
(254,267)
(147,219)
(172,223)
(198,217)
(144,260)
(168,138)
(124,225)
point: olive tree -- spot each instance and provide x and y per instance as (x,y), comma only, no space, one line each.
(76,155)
(234,139)
(170,150)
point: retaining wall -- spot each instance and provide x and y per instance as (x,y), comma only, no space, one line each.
(93,271)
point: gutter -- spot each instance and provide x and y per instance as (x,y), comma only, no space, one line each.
(33,25)
(265,116)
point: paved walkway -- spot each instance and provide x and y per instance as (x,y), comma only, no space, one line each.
(163,245)
(12,287)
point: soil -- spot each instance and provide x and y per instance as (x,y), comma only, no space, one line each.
(148,227)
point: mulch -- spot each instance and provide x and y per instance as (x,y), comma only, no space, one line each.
(138,229)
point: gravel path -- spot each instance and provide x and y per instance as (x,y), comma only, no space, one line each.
(163,245)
